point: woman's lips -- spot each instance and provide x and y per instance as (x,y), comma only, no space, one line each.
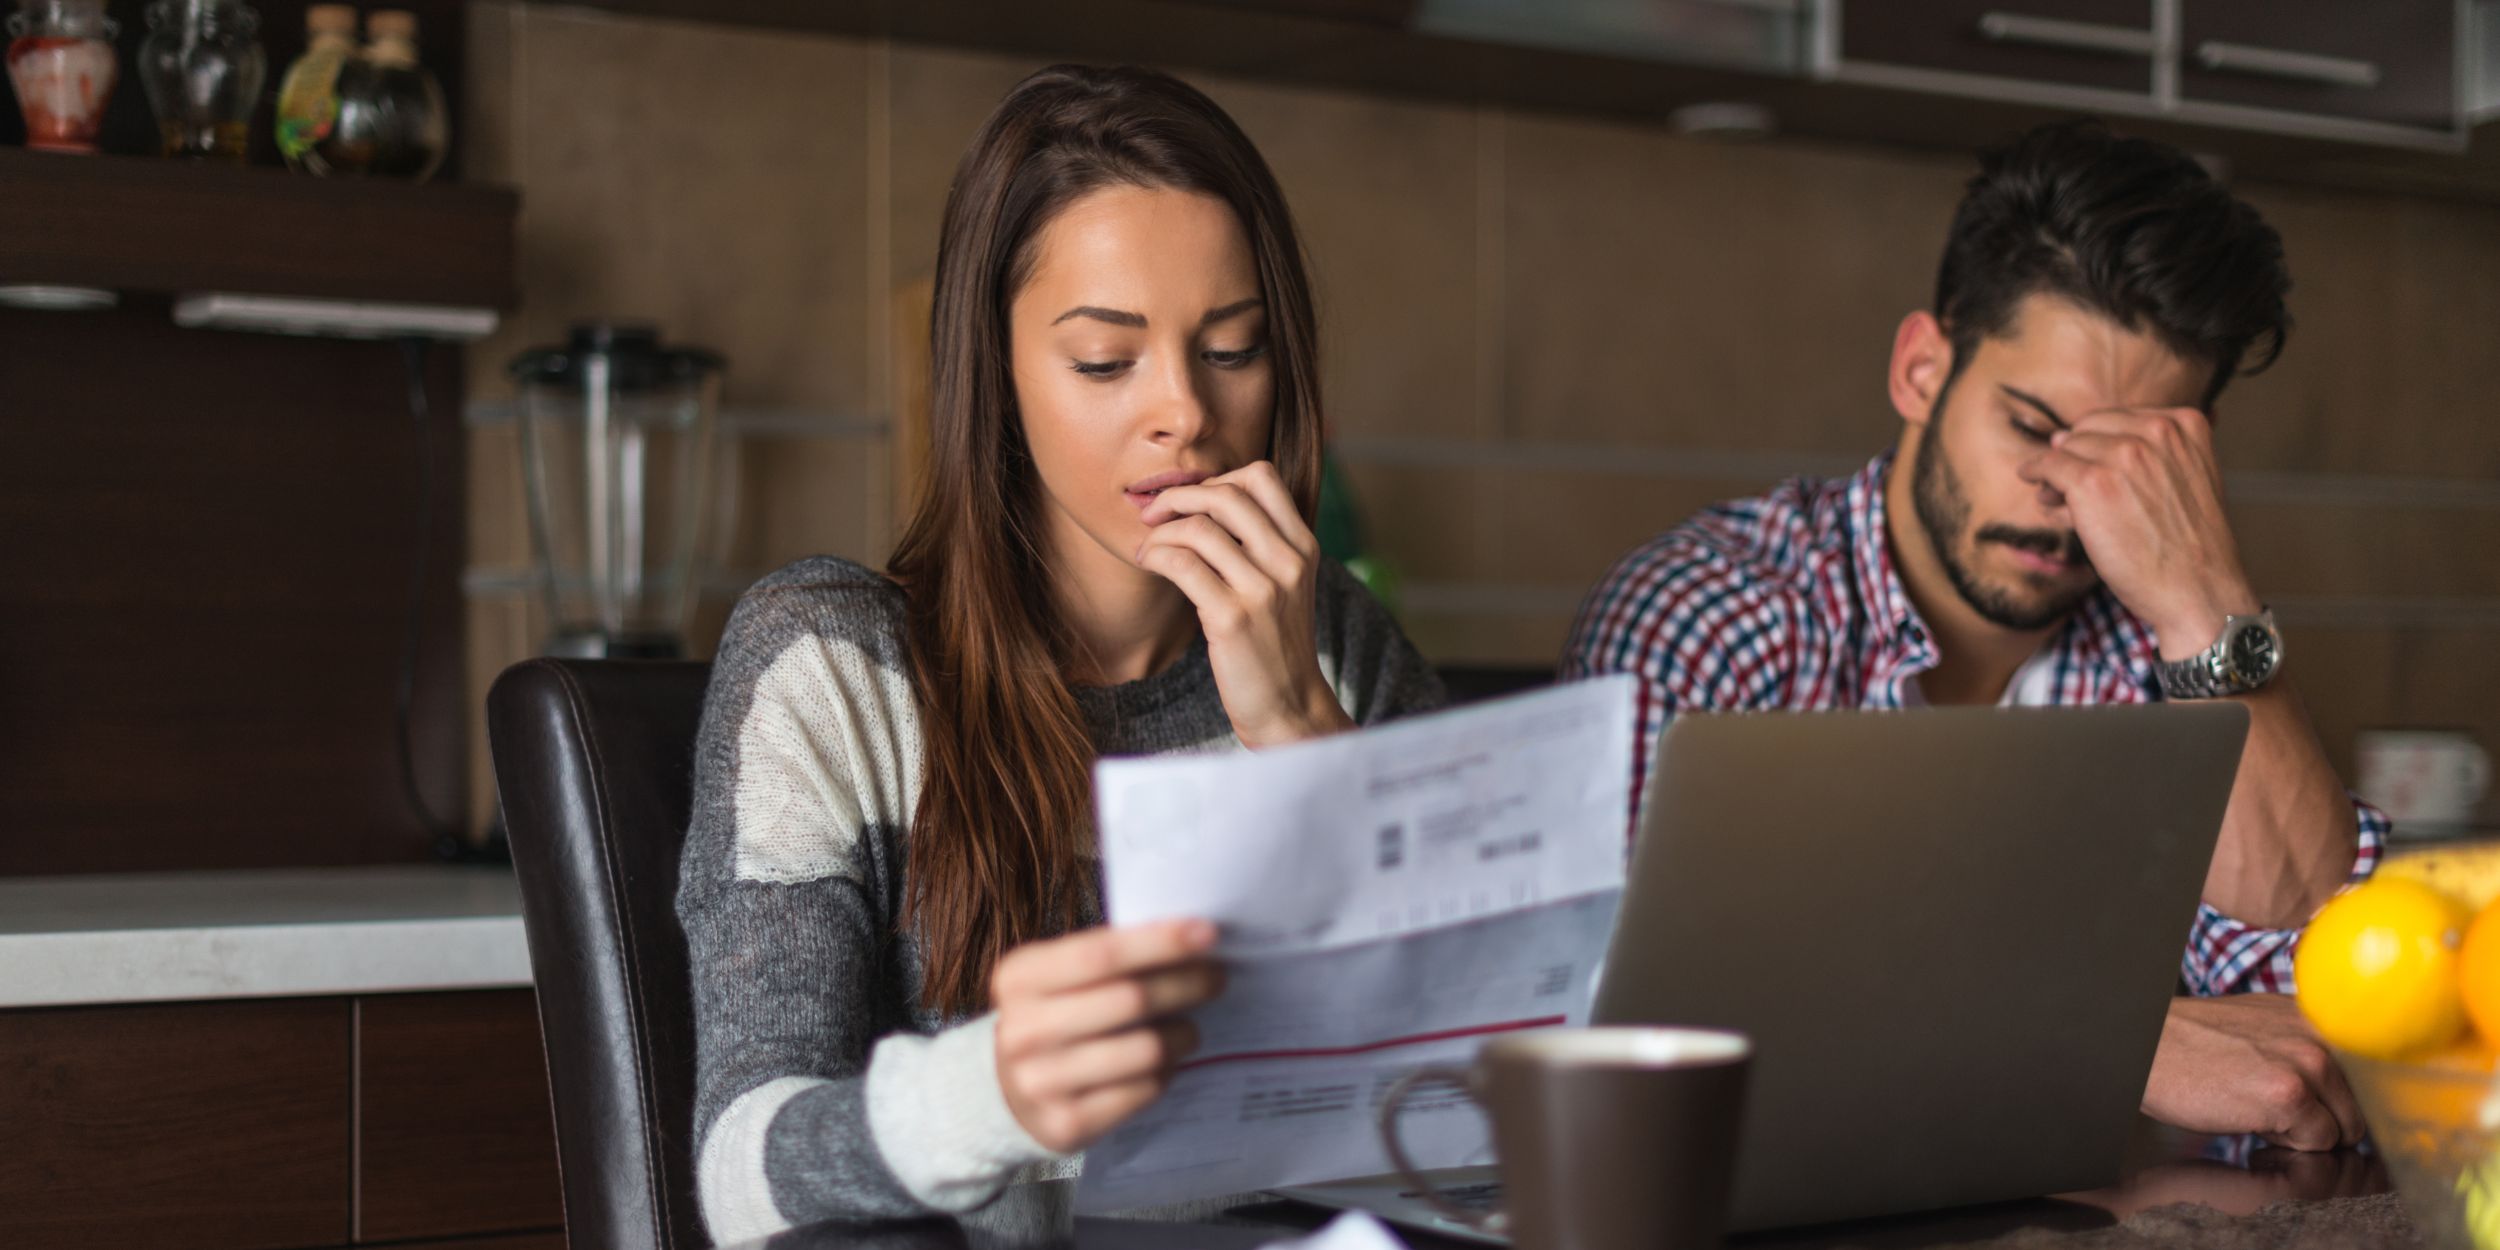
(1145,498)
(1142,493)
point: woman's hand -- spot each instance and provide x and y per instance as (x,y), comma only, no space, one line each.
(1236,545)
(1089,1025)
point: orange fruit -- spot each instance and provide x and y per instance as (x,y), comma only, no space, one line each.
(2377,971)
(2471,1057)
(2478,973)
(2440,1091)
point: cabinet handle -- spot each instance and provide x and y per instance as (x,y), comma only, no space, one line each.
(2275,63)
(2052,32)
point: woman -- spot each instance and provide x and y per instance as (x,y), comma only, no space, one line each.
(904,997)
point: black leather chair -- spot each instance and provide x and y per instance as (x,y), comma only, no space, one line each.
(594,759)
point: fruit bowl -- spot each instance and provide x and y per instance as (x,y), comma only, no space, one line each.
(2436,1122)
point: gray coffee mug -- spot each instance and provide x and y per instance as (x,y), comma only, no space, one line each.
(1608,1138)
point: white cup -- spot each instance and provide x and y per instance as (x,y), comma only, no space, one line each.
(2430,782)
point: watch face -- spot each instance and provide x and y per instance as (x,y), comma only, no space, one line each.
(2253,653)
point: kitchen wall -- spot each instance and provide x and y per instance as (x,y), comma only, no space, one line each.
(1547,337)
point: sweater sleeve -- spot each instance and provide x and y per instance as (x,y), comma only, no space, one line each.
(1377,674)
(815,1100)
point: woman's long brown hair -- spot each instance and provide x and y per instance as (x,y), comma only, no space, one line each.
(998,844)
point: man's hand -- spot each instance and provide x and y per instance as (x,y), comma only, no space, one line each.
(2250,1064)
(2145,493)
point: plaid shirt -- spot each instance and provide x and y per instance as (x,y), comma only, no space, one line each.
(1790,601)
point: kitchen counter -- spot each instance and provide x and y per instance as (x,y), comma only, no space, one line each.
(157,937)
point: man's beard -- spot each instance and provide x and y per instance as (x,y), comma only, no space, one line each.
(1944,511)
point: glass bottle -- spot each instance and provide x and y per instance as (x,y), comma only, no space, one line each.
(61,64)
(202,68)
(308,97)
(392,121)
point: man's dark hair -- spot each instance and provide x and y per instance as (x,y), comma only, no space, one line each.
(2131,229)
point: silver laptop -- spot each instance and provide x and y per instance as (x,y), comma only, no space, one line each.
(1952,934)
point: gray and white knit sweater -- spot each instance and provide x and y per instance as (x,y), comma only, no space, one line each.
(824,1090)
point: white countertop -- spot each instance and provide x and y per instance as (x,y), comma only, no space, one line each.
(155,937)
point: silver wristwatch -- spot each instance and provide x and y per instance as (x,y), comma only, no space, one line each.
(2247,656)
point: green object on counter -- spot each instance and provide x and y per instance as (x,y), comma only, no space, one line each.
(1339,528)
(1377,578)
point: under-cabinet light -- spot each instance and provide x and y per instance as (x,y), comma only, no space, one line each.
(330,318)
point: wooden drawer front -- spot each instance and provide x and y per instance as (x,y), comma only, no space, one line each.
(2288,57)
(186,1126)
(454,1133)
(2034,41)
(515,1241)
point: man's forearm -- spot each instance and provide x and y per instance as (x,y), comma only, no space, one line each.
(2288,839)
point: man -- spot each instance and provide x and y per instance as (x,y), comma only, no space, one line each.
(2049,529)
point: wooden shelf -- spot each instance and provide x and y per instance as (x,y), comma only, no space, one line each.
(150,225)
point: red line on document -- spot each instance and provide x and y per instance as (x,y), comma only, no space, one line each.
(1331,1052)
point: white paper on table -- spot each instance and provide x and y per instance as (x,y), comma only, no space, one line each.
(1385,900)
(1351,1230)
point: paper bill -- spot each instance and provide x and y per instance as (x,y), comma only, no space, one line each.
(1386,900)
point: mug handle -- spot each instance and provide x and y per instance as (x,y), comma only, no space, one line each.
(1462,1080)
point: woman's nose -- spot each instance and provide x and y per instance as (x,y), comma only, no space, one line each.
(1181,413)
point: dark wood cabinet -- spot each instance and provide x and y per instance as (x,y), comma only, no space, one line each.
(523,1241)
(454,1133)
(279,1124)
(214,535)
(182,1126)
(2105,45)
(2391,62)
(2383,72)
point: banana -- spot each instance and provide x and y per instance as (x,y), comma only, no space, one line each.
(2471,873)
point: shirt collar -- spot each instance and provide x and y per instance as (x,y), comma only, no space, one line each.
(1904,639)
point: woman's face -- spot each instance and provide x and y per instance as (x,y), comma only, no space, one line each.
(1140,351)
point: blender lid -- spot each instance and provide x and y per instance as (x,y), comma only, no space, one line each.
(636,361)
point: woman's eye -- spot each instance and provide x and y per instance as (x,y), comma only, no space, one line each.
(1098,368)
(2034,433)
(1235,360)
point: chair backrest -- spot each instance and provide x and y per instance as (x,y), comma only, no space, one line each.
(595,759)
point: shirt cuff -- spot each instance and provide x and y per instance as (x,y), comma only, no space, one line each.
(940,1120)
(2227,957)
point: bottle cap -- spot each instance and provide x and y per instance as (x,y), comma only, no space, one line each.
(391,24)
(331,19)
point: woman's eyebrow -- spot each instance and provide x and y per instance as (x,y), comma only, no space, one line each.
(1134,321)
(1234,309)
(1137,321)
